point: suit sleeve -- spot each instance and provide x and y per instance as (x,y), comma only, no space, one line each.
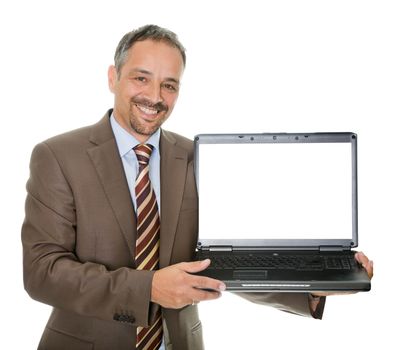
(296,303)
(52,272)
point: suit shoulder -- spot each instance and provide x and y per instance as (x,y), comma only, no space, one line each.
(69,137)
(64,148)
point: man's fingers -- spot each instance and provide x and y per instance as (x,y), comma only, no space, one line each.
(195,266)
(361,258)
(206,289)
(199,281)
(175,286)
(207,284)
(366,263)
(202,295)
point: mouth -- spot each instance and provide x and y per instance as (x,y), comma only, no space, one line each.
(147,110)
(147,117)
(150,112)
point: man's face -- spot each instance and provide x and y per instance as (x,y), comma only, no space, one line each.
(147,88)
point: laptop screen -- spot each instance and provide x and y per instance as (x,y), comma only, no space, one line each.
(275,190)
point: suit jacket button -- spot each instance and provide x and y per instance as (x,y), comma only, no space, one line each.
(117,317)
(123,318)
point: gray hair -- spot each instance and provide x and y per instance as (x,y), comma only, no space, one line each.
(150,31)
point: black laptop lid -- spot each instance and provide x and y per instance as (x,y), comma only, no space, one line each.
(277,190)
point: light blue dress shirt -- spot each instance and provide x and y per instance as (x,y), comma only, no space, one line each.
(125,143)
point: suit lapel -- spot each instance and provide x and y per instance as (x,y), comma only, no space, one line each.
(107,162)
(173,178)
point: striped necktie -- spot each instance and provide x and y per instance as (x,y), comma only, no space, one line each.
(147,244)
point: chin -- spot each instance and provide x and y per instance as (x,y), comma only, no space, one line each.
(144,130)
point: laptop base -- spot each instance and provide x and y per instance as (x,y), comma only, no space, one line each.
(314,276)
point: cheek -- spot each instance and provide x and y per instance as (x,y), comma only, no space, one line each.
(171,100)
(128,91)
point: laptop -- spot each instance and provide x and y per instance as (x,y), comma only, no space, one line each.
(278,211)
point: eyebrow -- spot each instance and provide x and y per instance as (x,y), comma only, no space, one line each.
(140,70)
(146,72)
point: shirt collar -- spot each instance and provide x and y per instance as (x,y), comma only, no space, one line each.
(126,142)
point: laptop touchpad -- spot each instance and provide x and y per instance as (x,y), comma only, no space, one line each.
(250,274)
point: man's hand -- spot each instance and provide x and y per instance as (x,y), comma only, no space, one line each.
(174,287)
(362,260)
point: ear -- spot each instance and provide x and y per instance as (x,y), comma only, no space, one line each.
(112,77)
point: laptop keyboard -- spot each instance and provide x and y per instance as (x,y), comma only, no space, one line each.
(287,262)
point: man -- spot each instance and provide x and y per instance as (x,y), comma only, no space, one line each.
(111,218)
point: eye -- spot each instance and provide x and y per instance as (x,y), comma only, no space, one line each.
(170,87)
(141,79)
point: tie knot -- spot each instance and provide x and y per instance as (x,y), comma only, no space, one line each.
(143,153)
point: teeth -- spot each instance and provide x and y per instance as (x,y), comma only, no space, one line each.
(147,110)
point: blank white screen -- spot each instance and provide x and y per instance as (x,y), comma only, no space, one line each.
(275,191)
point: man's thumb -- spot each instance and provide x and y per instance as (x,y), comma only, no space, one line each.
(195,266)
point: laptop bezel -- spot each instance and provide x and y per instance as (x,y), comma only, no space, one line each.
(283,244)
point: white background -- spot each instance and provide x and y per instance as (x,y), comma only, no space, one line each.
(253,66)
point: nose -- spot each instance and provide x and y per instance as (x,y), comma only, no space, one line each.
(153,93)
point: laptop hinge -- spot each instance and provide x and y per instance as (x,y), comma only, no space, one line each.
(333,248)
(220,248)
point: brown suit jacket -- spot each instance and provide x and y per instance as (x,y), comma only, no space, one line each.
(79,236)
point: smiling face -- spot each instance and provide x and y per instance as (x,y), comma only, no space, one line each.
(147,87)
